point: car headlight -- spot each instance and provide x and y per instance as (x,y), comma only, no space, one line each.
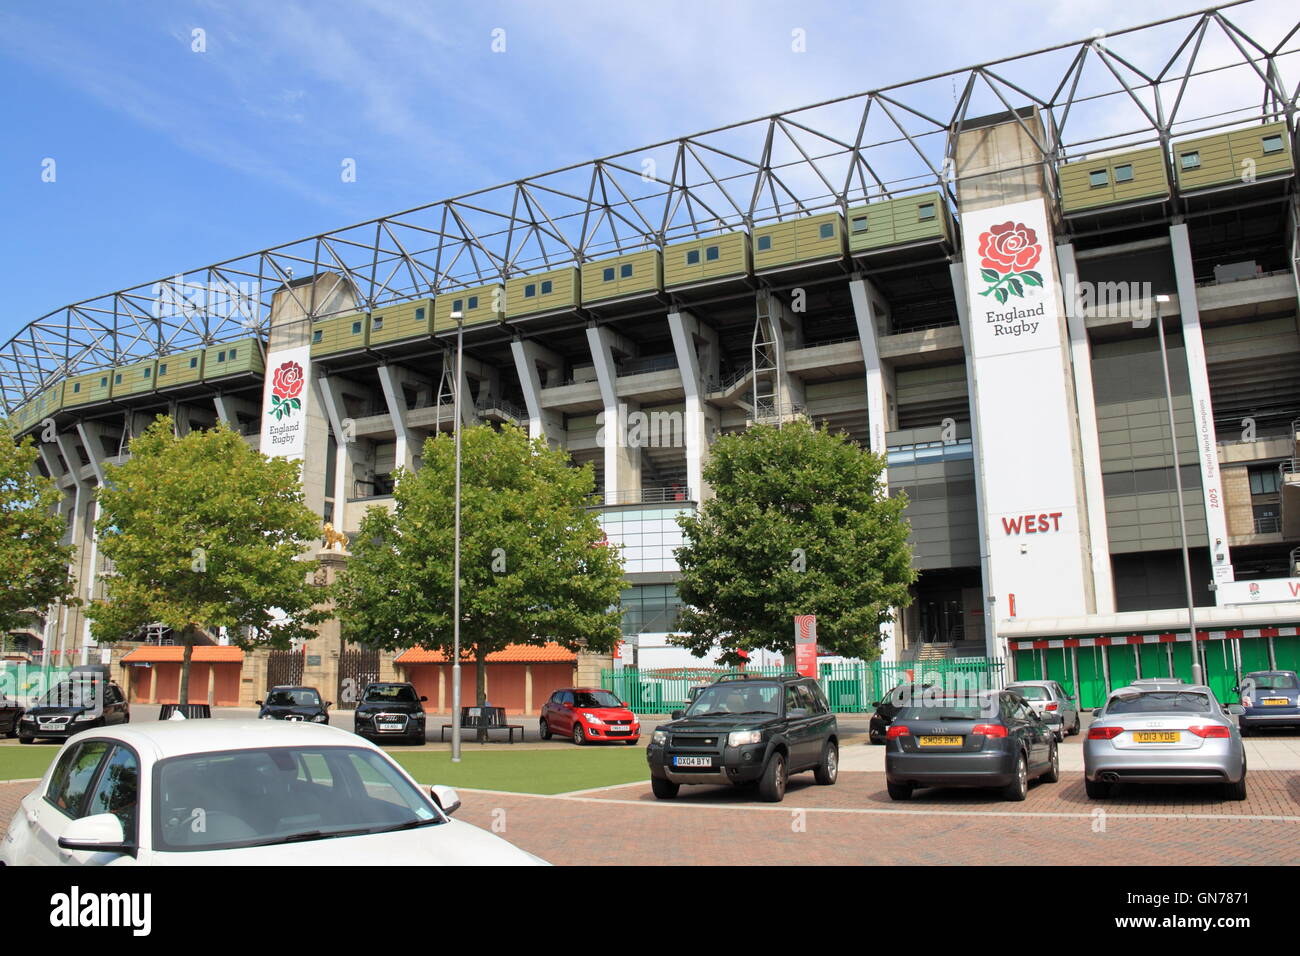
(28,718)
(659,737)
(741,737)
(592,718)
(320,719)
(82,718)
(417,716)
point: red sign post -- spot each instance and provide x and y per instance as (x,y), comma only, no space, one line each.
(805,644)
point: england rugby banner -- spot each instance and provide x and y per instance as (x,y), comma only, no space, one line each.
(284,402)
(1023,398)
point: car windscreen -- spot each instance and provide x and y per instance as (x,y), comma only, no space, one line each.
(389,694)
(1159,702)
(737,697)
(1030,692)
(953,709)
(293,698)
(281,795)
(595,698)
(72,694)
(1274,681)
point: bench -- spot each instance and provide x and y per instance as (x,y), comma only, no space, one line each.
(491,718)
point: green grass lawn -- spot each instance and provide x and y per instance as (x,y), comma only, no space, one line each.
(552,770)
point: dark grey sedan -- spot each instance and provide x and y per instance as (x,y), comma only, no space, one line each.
(1270,699)
(993,739)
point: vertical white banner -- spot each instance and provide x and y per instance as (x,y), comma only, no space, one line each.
(1024,407)
(284,402)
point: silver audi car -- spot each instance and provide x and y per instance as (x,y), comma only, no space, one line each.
(1164,732)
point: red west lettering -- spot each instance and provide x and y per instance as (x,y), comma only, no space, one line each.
(1010,525)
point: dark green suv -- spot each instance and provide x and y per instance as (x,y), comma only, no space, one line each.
(744,730)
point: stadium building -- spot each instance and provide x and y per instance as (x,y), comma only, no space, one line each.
(983,275)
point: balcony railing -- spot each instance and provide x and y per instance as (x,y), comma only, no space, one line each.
(1268,524)
(660,363)
(673,494)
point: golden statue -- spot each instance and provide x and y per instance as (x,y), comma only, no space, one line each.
(333,540)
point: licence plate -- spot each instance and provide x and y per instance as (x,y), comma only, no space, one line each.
(1153,737)
(1276,701)
(53,726)
(940,741)
(692,761)
(390,726)
(619,727)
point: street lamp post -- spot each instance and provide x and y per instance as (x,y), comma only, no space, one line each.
(455,587)
(1178,486)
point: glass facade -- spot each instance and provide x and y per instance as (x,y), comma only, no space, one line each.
(650,609)
(648,537)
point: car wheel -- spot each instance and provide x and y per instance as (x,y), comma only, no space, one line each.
(663,789)
(26,740)
(1078,726)
(899,791)
(877,741)
(771,786)
(13,731)
(1053,773)
(544,729)
(1096,789)
(829,769)
(1243,729)
(1018,788)
(418,739)
(579,735)
(1236,791)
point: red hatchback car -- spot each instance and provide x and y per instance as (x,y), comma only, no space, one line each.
(589,715)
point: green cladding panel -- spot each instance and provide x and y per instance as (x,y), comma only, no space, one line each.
(479,305)
(88,388)
(706,260)
(400,322)
(241,357)
(47,403)
(183,368)
(135,379)
(807,239)
(898,222)
(1241,156)
(1113,180)
(637,273)
(543,292)
(343,333)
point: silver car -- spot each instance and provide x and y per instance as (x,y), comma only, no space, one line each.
(1049,701)
(1164,732)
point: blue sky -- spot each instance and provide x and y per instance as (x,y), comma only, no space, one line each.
(168,159)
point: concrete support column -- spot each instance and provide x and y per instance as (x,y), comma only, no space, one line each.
(92,439)
(1085,405)
(1207,454)
(697,351)
(228,407)
(529,358)
(622,463)
(528,689)
(344,441)
(391,381)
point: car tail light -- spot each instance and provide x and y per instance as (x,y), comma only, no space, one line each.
(1104,733)
(989,730)
(1211,730)
(1052,706)
(898,730)
(1245,702)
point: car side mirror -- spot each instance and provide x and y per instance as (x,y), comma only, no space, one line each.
(423,699)
(98,833)
(1096,712)
(258,703)
(1236,690)
(797,712)
(875,703)
(1236,710)
(568,706)
(329,703)
(676,715)
(447,799)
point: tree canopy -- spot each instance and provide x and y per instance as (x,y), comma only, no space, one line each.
(800,525)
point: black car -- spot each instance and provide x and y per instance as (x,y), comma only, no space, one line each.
(80,702)
(887,709)
(11,713)
(295,703)
(390,710)
(747,730)
(985,739)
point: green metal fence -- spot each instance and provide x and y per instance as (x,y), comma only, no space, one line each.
(27,682)
(852,687)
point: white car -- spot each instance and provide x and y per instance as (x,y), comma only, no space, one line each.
(244,792)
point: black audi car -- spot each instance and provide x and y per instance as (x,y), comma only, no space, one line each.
(390,710)
(288,702)
(78,703)
(744,731)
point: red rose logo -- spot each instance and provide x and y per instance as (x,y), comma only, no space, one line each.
(286,386)
(1008,253)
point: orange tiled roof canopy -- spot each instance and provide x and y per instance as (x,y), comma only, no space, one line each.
(512,654)
(166,653)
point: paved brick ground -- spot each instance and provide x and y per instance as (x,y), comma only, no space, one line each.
(855,822)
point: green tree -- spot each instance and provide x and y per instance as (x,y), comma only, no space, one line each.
(533,568)
(204,532)
(799,525)
(33,561)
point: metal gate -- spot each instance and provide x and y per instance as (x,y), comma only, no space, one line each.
(283,667)
(356,670)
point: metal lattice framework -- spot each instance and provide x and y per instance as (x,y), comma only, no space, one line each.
(1146,85)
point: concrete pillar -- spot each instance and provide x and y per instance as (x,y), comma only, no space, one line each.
(228,407)
(697,351)
(1207,454)
(391,381)
(622,463)
(528,356)
(1085,406)
(528,689)
(344,447)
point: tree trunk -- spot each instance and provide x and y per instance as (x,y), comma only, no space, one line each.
(188,636)
(480,688)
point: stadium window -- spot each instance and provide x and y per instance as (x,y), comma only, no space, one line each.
(458,305)
(316,337)
(827,231)
(925,211)
(194,362)
(625,271)
(419,314)
(764,243)
(148,372)
(103,382)
(1124,174)
(546,287)
(1098,177)
(859,223)
(232,354)
(711,253)
(1273,144)
(377,323)
(473,302)
(530,290)
(221,356)
(693,257)
(117,379)
(162,370)
(608,275)
(76,387)
(356,328)
(1191,160)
